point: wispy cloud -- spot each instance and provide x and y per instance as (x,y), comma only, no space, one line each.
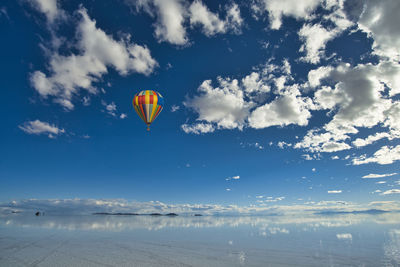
(38,127)
(96,51)
(391,191)
(175,108)
(237,177)
(334,191)
(373,175)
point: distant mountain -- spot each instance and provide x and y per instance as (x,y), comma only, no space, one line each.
(371,211)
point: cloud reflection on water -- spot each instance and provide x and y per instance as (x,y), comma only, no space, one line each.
(272,224)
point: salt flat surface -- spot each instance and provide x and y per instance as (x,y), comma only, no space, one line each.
(101,240)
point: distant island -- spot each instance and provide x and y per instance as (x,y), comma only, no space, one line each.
(134,214)
(371,211)
(118,213)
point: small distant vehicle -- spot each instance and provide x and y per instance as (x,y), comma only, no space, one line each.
(148,104)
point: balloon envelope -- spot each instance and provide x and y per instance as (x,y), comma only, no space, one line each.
(148,104)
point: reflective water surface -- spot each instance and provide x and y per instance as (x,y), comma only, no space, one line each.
(101,240)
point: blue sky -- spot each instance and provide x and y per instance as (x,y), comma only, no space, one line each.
(266,102)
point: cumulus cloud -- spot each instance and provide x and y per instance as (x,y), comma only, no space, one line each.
(38,127)
(223,105)
(315,37)
(357,100)
(210,22)
(373,175)
(379,19)
(277,9)
(385,155)
(288,108)
(97,51)
(359,142)
(170,15)
(173,15)
(241,103)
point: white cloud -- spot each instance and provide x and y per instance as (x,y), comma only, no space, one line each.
(210,22)
(271,200)
(391,191)
(370,139)
(172,16)
(373,175)
(381,182)
(253,83)
(233,20)
(315,38)
(345,236)
(278,8)
(223,105)
(38,127)
(175,108)
(198,128)
(385,155)
(237,177)
(357,101)
(241,103)
(111,108)
(289,108)
(313,169)
(283,144)
(380,19)
(49,8)
(97,51)
(335,157)
(334,191)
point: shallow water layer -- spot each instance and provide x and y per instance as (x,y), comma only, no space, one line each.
(296,240)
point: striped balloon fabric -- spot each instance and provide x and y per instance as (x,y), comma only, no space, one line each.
(148,104)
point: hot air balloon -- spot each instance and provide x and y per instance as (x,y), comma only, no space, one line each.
(148,104)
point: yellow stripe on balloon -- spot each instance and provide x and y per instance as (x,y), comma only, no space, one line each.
(155,100)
